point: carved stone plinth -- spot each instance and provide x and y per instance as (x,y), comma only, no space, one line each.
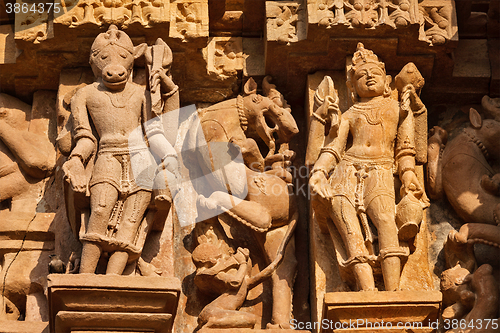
(382,311)
(87,302)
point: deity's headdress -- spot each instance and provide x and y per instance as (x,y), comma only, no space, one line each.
(361,57)
(112,37)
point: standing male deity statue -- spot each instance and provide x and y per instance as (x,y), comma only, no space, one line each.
(352,180)
(105,116)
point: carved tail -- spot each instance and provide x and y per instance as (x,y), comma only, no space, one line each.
(269,270)
(435,148)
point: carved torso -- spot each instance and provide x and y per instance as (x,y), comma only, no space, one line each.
(373,126)
(115,114)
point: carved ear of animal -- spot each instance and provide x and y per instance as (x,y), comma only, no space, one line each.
(475,118)
(139,50)
(250,87)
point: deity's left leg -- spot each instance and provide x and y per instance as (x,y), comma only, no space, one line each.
(133,212)
(381,211)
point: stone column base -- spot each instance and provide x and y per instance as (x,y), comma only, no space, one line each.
(112,303)
(381,311)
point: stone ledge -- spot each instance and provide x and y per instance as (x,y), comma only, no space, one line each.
(377,307)
(112,303)
(11,326)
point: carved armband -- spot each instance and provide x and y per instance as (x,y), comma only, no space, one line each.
(76,154)
(318,118)
(171,92)
(314,170)
(332,151)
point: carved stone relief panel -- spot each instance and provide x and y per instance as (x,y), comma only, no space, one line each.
(286,21)
(224,56)
(436,18)
(189,19)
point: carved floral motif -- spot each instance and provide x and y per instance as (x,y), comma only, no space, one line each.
(434,17)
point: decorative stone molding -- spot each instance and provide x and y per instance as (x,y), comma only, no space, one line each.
(189,19)
(436,18)
(224,56)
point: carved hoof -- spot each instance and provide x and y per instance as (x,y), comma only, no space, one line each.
(490,185)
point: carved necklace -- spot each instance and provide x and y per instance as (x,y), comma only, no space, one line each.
(119,99)
(371,110)
(241,113)
(478,143)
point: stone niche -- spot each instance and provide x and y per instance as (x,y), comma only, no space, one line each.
(221,166)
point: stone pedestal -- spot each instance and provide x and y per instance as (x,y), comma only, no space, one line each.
(381,311)
(87,303)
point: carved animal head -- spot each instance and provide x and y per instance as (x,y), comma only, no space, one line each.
(112,57)
(487,132)
(269,117)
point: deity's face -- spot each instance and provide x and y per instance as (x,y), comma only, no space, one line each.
(369,81)
(114,65)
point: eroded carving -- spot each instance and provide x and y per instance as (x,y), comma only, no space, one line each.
(470,293)
(224,56)
(189,19)
(27,158)
(285,21)
(262,204)
(26,154)
(434,17)
(352,181)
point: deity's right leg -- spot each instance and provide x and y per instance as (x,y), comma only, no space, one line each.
(103,198)
(347,222)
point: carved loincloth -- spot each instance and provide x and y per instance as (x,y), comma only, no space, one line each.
(113,166)
(364,179)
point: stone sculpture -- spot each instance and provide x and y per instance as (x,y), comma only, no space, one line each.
(115,107)
(471,293)
(26,156)
(268,208)
(467,168)
(27,159)
(227,278)
(352,181)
